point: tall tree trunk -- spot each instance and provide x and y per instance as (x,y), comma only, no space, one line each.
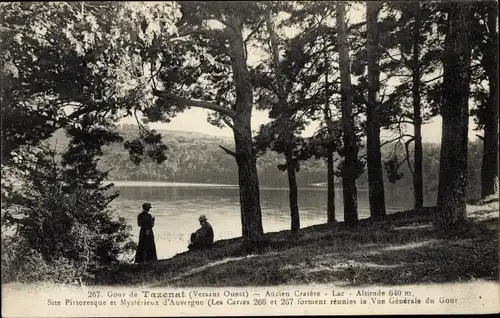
(293,192)
(348,136)
(489,168)
(248,180)
(330,187)
(451,200)
(330,207)
(285,123)
(374,157)
(417,118)
(292,181)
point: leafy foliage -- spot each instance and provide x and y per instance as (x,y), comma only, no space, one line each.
(294,88)
(62,218)
(391,166)
(398,28)
(64,64)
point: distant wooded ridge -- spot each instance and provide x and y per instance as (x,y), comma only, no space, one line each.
(197,158)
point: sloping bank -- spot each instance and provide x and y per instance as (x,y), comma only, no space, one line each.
(404,249)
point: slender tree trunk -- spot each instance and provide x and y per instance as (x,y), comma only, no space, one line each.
(489,168)
(330,186)
(251,215)
(374,157)
(451,200)
(348,136)
(288,135)
(330,208)
(417,119)
(293,193)
(292,182)
(330,189)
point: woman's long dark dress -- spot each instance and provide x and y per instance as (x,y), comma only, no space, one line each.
(146,249)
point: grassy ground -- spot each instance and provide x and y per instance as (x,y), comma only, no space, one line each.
(404,249)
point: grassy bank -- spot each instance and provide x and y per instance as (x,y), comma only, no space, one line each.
(404,249)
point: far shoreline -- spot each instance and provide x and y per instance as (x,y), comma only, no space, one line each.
(141,183)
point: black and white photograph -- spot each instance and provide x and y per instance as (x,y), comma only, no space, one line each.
(213,158)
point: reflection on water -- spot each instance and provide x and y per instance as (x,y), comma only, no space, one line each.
(177,207)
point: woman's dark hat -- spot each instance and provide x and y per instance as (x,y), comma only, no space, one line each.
(146,206)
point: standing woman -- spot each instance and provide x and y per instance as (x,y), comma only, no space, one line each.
(146,249)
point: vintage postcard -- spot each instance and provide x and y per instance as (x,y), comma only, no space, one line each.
(214,158)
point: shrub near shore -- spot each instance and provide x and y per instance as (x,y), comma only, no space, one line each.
(61,230)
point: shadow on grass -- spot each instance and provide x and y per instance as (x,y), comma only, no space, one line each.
(404,249)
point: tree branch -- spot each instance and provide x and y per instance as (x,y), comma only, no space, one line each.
(401,75)
(361,93)
(253,31)
(232,153)
(401,163)
(400,122)
(431,80)
(82,111)
(363,156)
(382,98)
(394,139)
(225,22)
(152,78)
(403,58)
(195,103)
(209,33)
(227,122)
(142,130)
(407,144)
(421,83)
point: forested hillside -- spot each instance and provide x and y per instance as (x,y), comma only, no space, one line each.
(195,157)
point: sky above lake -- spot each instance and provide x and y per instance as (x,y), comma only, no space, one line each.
(195,120)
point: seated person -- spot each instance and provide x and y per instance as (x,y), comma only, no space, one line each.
(203,238)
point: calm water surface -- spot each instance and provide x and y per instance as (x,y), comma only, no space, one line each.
(176,207)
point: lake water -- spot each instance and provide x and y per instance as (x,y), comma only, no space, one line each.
(176,207)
